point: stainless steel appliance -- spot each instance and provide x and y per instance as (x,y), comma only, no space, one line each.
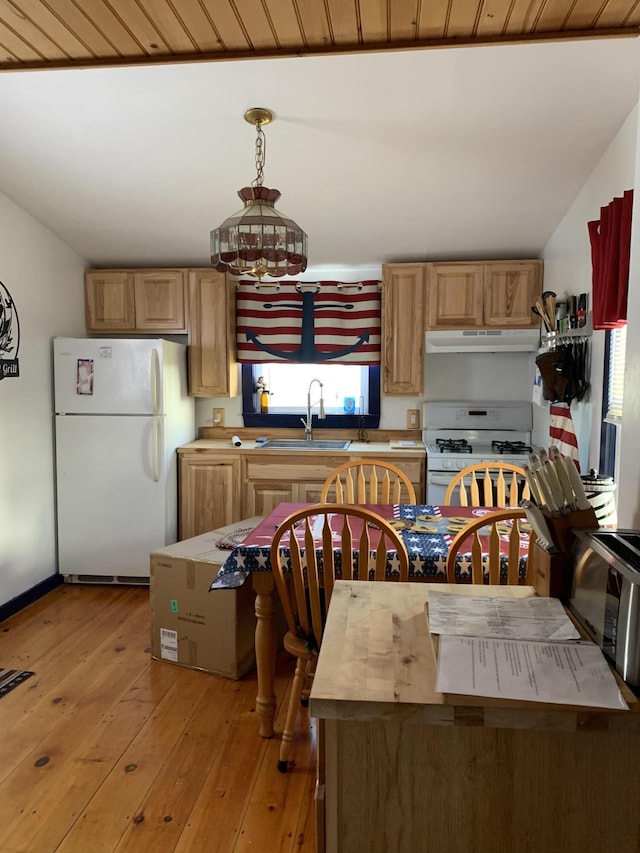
(458,434)
(605,596)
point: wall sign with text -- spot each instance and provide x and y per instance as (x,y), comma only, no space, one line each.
(9,335)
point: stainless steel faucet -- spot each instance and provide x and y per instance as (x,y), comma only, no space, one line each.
(308,430)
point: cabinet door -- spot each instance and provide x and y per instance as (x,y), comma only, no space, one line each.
(510,289)
(309,493)
(210,493)
(109,301)
(213,370)
(456,294)
(159,300)
(284,478)
(403,314)
(261,497)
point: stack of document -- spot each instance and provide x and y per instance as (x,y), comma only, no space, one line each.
(518,648)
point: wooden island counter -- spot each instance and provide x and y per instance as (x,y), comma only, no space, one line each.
(405,769)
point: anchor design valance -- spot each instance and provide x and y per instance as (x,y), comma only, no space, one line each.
(309,322)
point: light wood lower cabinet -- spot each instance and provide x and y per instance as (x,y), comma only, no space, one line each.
(210,489)
(220,487)
(269,482)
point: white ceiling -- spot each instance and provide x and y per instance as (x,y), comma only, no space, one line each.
(453,153)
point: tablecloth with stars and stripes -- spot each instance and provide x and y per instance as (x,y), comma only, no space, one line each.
(426,530)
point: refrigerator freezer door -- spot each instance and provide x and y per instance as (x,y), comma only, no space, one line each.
(101,376)
(111,510)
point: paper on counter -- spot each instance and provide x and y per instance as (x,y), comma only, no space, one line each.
(534,618)
(567,673)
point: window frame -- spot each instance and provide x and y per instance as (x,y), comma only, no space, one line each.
(253,418)
(610,425)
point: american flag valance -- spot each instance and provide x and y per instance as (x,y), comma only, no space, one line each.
(309,322)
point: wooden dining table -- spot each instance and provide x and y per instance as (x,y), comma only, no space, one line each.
(426,530)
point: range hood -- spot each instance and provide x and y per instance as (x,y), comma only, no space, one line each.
(483,340)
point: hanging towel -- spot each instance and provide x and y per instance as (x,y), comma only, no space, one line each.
(562,433)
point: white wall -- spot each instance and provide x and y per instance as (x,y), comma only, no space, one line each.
(45,280)
(567,269)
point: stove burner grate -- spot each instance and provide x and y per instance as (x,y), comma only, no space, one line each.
(453,445)
(511,447)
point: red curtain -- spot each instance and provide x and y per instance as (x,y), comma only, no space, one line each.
(610,238)
(324,321)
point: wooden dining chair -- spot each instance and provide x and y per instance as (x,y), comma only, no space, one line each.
(491,546)
(371,481)
(312,548)
(497,484)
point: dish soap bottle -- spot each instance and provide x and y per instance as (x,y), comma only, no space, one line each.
(261,387)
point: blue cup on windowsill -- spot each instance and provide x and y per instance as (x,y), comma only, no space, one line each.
(349,405)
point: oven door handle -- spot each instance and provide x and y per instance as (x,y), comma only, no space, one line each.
(437,478)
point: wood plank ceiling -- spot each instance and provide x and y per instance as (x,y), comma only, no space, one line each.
(80,33)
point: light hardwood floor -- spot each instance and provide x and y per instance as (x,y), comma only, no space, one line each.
(105,749)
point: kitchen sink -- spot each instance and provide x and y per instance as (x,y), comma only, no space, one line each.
(303,444)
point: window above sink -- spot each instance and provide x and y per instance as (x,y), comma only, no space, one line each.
(351,395)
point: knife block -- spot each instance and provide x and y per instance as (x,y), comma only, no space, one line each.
(553,573)
(561,526)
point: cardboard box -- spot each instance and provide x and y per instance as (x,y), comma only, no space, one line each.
(192,627)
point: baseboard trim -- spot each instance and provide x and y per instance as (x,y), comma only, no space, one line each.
(26,598)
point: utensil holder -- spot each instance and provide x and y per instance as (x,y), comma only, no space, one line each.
(553,573)
(561,526)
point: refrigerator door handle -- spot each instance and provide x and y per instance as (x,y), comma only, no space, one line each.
(156,448)
(155,382)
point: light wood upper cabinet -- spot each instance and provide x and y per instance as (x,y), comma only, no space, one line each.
(109,301)
(160,300)
(403,324)
(149,301)
(497,294)
(510,289)
(456,295)
(213,370)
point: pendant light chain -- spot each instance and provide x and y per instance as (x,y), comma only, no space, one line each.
(261,153)
(258,240)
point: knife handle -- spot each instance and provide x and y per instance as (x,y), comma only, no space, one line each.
(533,487)
(577,484)
(563,476)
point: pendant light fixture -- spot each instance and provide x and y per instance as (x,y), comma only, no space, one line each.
(258,240)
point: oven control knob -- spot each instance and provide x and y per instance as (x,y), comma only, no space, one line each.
(446,463)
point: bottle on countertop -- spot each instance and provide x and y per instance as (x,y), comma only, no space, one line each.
(261,388)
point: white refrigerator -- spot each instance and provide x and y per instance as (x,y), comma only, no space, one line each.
(121,410)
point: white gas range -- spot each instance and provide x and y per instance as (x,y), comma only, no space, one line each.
(462,433)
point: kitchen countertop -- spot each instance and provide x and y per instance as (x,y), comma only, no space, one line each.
(378,662)
(359,448)
(402,767)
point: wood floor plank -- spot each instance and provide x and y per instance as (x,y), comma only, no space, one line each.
(46,701)
(53,623)
(111,752)
(278,799)
(217,817)
(51,808)
(163,783)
